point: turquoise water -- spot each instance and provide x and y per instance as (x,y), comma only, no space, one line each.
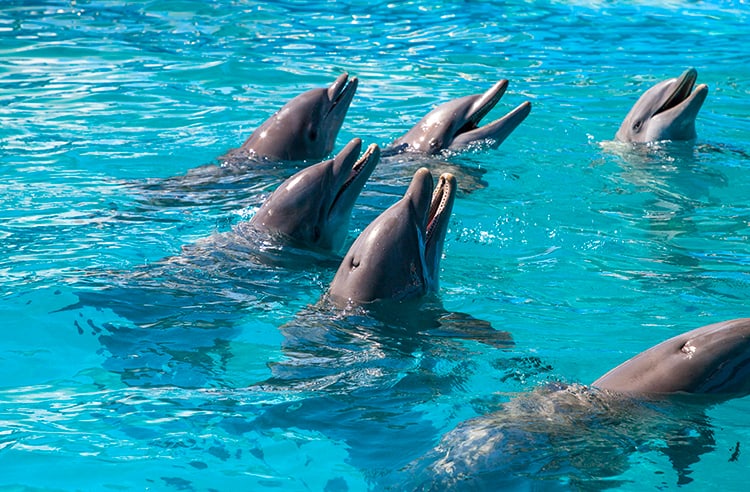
(123,373)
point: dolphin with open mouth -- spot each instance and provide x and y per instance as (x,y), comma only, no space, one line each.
(397,257)
(455,125)
(666,111)
(313,207)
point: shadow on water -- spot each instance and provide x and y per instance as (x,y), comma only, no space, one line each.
(173,320)
(362,378)
(468,172)
(225,184)
(346,378)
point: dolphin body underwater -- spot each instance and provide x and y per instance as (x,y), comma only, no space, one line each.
(572,434)
(666,111)
(295,233)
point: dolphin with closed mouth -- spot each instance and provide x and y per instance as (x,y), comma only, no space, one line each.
(304,128)
(455,125)
(666,111)
(313,207)
(397,256)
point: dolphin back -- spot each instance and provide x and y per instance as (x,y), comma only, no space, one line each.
(712,360)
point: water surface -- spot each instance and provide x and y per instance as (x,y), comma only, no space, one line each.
(122,371)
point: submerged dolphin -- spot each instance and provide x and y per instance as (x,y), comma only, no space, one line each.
(313,207)
(397,256)
(562,434)
(666,111)
(304,128)
(454,125)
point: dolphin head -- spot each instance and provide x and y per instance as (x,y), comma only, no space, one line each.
(397,256)
(713,360)
(666,111)
(306,127)
(313,207)
(455,125)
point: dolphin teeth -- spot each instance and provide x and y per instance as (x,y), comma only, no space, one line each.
(440,198)
(359,166)
(343,88)
(342,91)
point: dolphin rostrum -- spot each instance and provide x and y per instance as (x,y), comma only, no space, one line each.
(454,125)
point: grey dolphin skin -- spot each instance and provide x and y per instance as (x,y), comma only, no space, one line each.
(397,256)
(455,124)
(714,359)
(304,128)
(666,111)
(313,207)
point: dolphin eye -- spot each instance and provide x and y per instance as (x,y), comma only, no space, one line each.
(316,233)
(637,125)
(313,134)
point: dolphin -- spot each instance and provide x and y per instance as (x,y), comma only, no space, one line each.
(666,111)
(454,125)
(563,434)
(292,235)
(713,360)
(313,207)
(397,256)
(304,128)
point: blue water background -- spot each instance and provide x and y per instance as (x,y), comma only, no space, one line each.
(584,253)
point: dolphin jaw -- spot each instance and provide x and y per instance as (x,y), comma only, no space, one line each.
(682,91)
(496,132)
(438,205)
(359,172)
(677,122)
(484,103)
(438,215)
(688,105)
(341,91)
